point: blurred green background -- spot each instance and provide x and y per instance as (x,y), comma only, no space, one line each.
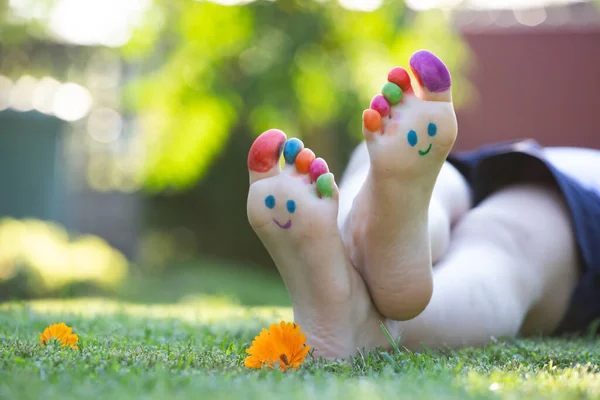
(125,127)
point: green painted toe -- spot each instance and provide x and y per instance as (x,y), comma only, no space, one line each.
(325,184)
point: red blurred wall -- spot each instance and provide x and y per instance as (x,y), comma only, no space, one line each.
(533,83)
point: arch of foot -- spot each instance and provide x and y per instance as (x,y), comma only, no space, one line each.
(266,152)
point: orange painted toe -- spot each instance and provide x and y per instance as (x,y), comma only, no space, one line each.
(372,120)
(303,160)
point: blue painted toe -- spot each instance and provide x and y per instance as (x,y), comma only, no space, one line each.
(291,149)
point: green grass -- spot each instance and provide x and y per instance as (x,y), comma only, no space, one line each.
(195,349)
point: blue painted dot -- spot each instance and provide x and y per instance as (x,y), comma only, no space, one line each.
(291,206)
(270,201)
(291,149)
(412,138)
(431,129)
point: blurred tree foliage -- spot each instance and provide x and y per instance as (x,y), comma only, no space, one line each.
(214,77)
(39,258)
(304,66)
(205,79)
(27,46)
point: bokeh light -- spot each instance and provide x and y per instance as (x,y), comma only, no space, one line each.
(21,95)
(44,93)
(96,22)
(72,102)
(6,86)
(361,5)
(531,17)
(104,125)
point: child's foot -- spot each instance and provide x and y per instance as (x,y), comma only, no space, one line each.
(409,130)
(293,211)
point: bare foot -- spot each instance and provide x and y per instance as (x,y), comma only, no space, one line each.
(293,211)
(409,132)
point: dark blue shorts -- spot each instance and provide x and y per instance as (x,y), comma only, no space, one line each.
(492,167)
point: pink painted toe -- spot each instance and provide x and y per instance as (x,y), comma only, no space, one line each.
(317,168)
(381,105)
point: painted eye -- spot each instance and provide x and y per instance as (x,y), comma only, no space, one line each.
(431,129)
(270,201)
(291,206)
(412,138)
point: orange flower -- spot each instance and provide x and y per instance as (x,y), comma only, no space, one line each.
(283,344)
(60,332)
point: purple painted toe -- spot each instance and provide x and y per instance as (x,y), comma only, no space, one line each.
(430,71)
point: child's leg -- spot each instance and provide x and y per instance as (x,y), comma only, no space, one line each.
(510,268)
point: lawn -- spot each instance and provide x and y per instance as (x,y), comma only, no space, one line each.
(195,347)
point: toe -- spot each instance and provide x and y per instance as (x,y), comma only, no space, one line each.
(327,187)
(371,123)
(432,75)
(264,155)
(400,77)
(381,105)
(317,168)
(303,161)
(291,149)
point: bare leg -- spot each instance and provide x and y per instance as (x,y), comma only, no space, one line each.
(510,269)
(449,201)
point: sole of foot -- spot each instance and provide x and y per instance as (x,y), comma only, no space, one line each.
(293,210)
(409,129)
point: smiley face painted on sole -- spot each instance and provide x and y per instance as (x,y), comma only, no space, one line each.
(287,202)
(412,123)
(290,205)
(413,138)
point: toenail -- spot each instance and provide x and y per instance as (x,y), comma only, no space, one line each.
(381,105)
(392,93)
(400,77)
(303,161)
(266,150)
(317,168)
(372,120)
(325,185)
(430,71)
(291,149)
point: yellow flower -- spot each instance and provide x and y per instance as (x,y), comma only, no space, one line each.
(282,343)
(60,332)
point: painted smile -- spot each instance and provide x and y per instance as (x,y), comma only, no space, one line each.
(287,225)
(421,152)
